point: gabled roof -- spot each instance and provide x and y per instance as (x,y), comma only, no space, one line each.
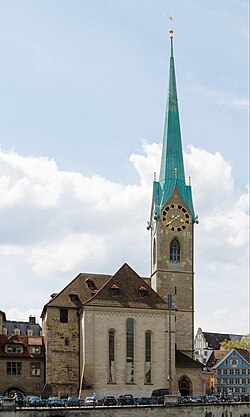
(184,361)
(215,357)
(128,290)
(214,339)
(244,353)
(79,287)
(123,289)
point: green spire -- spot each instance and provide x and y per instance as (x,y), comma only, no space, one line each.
(172,166)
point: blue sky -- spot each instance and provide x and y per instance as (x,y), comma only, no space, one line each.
(83,89)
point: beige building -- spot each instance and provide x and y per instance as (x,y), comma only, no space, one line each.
(124,333)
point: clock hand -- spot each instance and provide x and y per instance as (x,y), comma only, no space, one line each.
(176,217)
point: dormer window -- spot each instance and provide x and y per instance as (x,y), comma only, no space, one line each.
(90,284)
(14,348)
(17,331)
(115,290)
(143,292)
(74,297)
(30,332)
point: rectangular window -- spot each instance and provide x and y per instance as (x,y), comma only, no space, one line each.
(224,371)
(35,349)
(237,372)
(35,369)
(231,371)
(243,371)
(14,349)
(14,368)
(218,371)
(63,315)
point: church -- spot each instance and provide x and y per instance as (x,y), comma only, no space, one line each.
(123,333)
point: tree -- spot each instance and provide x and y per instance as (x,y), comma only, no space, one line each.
(244,343)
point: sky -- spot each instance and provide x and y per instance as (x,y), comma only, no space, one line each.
(83,88)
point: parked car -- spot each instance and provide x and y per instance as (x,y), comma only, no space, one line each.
(195,399)
(89,401)
(55,402)
(109,400)
(34,401)
(183,399)
(73,401)
(126,399)
(143,401)
(157,396)
(211,399)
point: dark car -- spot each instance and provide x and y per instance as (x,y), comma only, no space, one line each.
(126,399)
(143,401)
(73,401)
(55,402)
(109,400)
(157,396)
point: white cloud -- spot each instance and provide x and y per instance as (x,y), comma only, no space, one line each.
(225,98)
(56,224)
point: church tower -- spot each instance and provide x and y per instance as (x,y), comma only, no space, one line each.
(172,225)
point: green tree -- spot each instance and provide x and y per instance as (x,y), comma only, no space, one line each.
(244,343)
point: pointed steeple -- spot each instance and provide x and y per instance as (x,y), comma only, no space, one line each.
(172,172)
(172,167)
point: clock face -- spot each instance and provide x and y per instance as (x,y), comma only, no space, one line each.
(175,217)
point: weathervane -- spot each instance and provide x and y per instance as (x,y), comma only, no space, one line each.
(171,31)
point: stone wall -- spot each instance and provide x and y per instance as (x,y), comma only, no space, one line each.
(228,410)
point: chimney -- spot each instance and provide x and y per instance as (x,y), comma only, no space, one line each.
(32,319)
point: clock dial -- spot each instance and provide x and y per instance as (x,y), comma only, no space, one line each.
(175,217)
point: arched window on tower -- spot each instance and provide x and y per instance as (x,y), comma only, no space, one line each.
(148,357)
(175,250)
(130,351)
(111,376)
(154,252)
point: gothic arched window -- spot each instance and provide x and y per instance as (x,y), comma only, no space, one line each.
(148,357)
(111,377)
(175,251)
(130,350)
(154,252)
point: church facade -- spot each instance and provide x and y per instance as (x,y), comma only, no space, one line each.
(130,334)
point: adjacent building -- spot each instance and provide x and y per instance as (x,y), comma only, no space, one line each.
(232,373)
(22,357)
(206,343)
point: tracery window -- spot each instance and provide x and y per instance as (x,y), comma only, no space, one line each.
(175,251)
(148,357)
(130,351)
(111,376)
